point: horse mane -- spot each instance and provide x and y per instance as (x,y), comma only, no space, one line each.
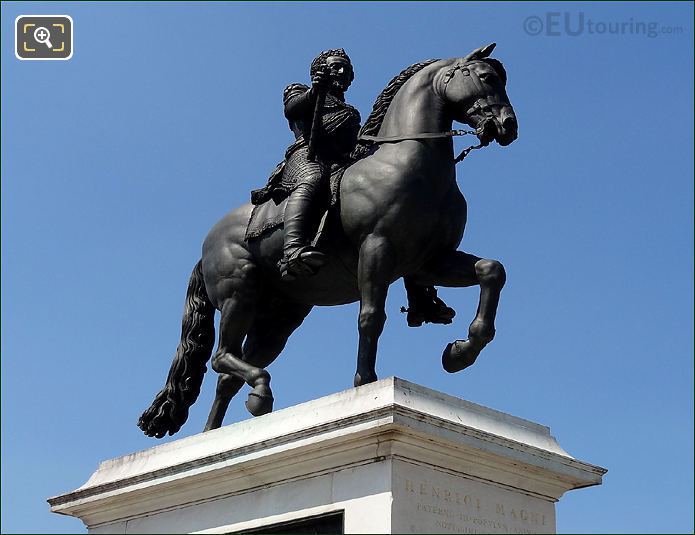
(381,104)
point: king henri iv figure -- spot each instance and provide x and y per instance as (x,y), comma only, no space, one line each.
(326,129)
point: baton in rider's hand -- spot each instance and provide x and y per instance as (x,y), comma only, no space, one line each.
(319,83)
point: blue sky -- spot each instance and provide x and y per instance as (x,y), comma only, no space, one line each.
(117,162)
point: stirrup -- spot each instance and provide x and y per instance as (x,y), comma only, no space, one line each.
(429,309)
(302,262)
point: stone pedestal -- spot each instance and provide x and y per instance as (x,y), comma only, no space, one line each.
(389,457)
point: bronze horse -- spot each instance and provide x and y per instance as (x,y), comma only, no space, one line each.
(400,214)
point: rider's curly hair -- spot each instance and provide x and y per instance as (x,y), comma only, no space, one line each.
(320,61)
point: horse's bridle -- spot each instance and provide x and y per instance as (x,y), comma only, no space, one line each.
(426,135)
(482,104)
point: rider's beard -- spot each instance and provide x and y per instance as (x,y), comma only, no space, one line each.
(339,87)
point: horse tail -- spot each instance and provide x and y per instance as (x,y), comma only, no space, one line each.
(169,410)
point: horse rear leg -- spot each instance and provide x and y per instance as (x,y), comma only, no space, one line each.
(238,313)
(265,341)
(459,269)
(227,388)
(375,269)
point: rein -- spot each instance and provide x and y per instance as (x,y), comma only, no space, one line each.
(425,135)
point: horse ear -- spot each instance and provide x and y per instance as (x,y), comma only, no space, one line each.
(487,50)
(480,53)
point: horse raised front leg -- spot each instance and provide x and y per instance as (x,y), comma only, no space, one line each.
(459,269)
(374,275)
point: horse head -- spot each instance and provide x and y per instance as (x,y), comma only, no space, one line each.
(473,88)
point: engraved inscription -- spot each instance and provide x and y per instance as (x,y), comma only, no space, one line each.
(457,511)
(521,514)
(445,494)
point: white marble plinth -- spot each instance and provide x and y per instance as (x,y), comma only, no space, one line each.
(392,456)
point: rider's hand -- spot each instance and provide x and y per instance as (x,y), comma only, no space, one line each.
(320,80)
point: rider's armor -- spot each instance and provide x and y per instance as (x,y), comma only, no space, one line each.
(340,125)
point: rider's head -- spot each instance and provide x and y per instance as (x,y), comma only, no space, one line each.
(337,64)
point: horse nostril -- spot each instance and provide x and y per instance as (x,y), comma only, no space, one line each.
(489,128)
(510,124)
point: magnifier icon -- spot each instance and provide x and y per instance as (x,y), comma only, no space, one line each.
(42,35)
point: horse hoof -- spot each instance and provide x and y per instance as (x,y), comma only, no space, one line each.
(359,380)
(260,401)
(459,355)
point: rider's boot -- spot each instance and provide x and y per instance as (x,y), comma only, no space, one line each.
(425,307)
(300,259)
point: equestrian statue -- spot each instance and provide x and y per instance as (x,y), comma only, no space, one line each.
(348,211)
